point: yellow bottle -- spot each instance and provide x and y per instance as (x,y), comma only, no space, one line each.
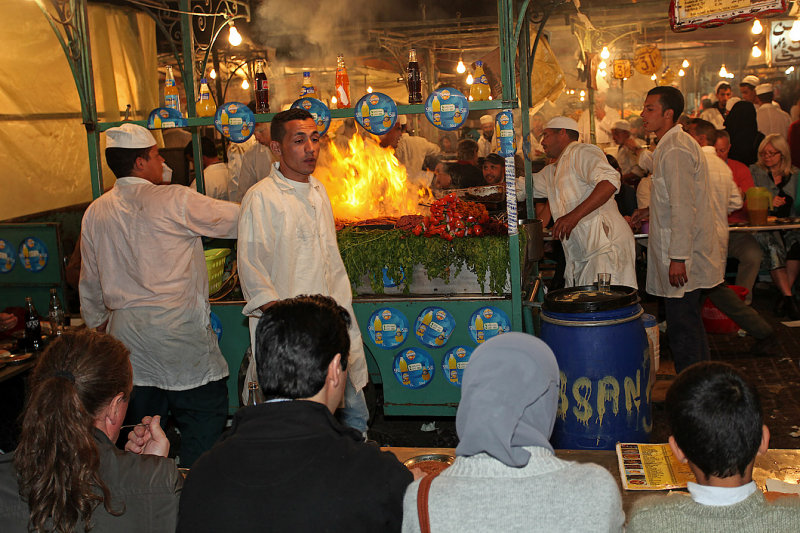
(364,109)
(451,365)
(205,104)
(171,97)
(435,105)
(377,327)
(157,121)
(403,365)
(480,86)
(223,117)
(308,90)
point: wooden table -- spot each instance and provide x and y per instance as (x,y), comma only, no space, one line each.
(779,464)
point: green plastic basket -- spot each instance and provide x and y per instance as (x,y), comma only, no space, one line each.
(215,263)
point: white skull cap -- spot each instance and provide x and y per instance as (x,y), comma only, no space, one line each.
(751,80)
(764,88)
(129,136)
(623,125)
(557,123)
(487,119)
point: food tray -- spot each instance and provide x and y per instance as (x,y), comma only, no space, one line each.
(418,460)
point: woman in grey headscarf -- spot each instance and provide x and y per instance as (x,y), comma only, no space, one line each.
(505,476)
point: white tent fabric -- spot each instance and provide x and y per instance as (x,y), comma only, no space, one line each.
(44,161)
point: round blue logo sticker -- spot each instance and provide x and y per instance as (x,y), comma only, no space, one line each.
(33,254)
(413,368)
(7,256)
(165,117)
(447,108)
(488,322)
(376,113)
(388,328)
(319,112)
(235,121)
(434,326)
(454,362)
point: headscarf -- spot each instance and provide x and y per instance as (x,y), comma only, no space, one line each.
(509,398)
(742,126)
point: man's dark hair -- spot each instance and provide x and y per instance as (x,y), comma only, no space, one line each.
(715,418)
(296,340)
(278,127)
(495,159)
(722,86)
(669,98)
(207,147)
(121,160)
(723,134)
(466,149)
(572,135)
(704,127)
(766,98)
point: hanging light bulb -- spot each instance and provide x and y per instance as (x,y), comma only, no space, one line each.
(369,89)
(757,28)
(601,73)
(602,65)
(789,70)
(333,100)
(582,98)
(233,36)
(460,68)
(490,97)
(212,74)
(470,98)
(681,73)
(794,33)
(582,93)
(654,77)
(470,79)
(723,72)
(685,63)
(605,54)
(756,52)
(245,84)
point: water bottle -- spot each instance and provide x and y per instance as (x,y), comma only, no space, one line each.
(56,313)
(254,396)
(33,328)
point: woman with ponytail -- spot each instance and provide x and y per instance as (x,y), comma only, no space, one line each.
(66,474)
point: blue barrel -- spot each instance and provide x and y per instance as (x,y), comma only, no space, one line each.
(600,343)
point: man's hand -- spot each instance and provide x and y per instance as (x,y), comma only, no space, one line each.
(778,201)
(148,438)
(640,215)
(564,225)
(677,274)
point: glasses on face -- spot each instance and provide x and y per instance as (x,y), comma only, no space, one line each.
(767,154)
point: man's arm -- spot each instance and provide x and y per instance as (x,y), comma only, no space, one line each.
(209,217)
(93,307)
(678,167)
(255,252)
(602,192)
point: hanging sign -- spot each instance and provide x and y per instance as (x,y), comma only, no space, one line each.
(688,15)
(319,112)
(621,69)
(647,60)
(388,328)
(235,121)
(434,326)
(782,50)
(413,368)
(7,259)
(454,362)
(165,117)
(376,113)
(33,254)
(504,129)
(446,108)
(488,322)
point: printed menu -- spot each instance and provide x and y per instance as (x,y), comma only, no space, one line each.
(651,467)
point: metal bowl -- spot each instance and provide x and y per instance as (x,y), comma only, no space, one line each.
(440,457)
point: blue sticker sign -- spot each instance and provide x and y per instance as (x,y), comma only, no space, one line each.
(388,328)
(434,326)
(454,362)
(488,322)
(504,129)
(33,254)
(164,118)
(7,256)
(446,108)
(376,113)
(216,325)
(319,112)
(235,121)
(413,368)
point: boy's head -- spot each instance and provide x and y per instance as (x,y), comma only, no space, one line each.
(715,419)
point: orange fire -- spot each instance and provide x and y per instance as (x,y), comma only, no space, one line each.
(367,181)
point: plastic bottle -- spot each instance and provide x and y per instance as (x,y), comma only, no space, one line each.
(413,79)
(308,90)
(171,97)
(205,104)
(480,86)
(56,314)
(342,84)
(33,328)
(254,395)
(262,90)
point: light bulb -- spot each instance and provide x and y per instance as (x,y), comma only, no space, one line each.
(794,33)
(756,52)
(757,28)
(789,70)
(583,93)
(654,77)
(490,97)
(245,84)
(730,75)
(601,73)
(605,54)
(685,63)
(233,36)
(470,79)
(582,98)
(723,72)
(333,100)
(460,68)
(602,65)
(470,98)
(212,74)
(369,89)
(681,73)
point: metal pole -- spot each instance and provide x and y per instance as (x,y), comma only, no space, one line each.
(188,86)
(89,110)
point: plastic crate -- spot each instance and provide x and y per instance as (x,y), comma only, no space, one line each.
(215,263)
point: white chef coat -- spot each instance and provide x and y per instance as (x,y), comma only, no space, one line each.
(602,241)
(629,161)
(256,164)
(287,247)
(236,152)
(215,179)
(486,146)
(772,119)
(143,265)
(724,196)
(602,128)
(411,152)
(713,116)
(681,224)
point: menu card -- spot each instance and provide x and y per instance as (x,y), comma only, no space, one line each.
(651,467)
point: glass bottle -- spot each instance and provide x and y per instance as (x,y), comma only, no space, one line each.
(254,395)
(33,328)
(205,104)
(342,84)
(308,90)
(171,97)
(262,90)
(413,79)
(55,314)
(480,86)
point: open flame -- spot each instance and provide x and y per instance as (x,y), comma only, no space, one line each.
(366,181)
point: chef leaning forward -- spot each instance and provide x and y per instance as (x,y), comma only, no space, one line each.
(580,188)
(144,280)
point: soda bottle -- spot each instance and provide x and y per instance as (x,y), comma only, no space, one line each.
(254,396)
(342,84)
(33,328)
(205,104)
(480,87)
(171,97)
(262,90)
(413,79)
(56,313)
(308,90)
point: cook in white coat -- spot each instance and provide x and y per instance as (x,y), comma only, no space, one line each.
(287,243)
(144,279)
(580,187)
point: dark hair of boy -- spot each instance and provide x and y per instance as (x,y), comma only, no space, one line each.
(669,98)
(296,340)
(277,128)
(715,418)
(122,160)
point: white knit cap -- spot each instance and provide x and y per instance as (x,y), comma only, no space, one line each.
(750,80)
(557,123)
(764,88)
(487,119)
(623,125)
(732,101)
(129,136)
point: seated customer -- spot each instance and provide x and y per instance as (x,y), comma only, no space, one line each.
(717,427)
(505,476)
(66,475)
(465,172)
(287,464)
(494,169)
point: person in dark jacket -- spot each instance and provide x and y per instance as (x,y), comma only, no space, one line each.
(742,127)
(287,464)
